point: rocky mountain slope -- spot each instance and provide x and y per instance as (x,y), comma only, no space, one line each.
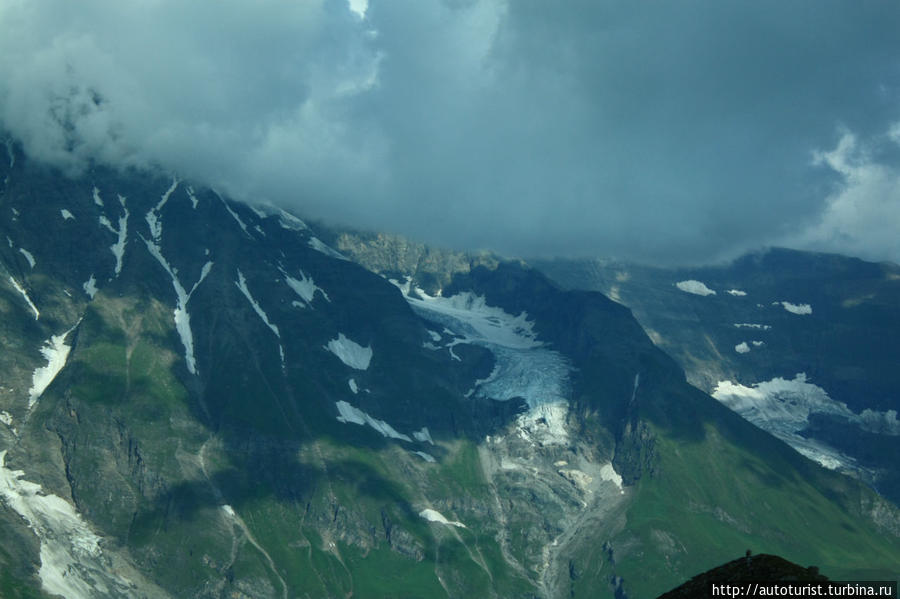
(203,398)
(804,345)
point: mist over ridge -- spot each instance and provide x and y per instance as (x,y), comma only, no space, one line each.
(682,134)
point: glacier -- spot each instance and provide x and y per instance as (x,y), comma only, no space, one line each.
(524,367)
(782,407)
(72,561)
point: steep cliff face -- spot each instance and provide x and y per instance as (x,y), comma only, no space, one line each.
(202,398)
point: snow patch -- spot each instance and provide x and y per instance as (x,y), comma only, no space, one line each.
(241,284)
(97,199)
(742,347)
(72,561)
(6,418)
(24,293)
(153,218)
(350,353)
(316,244)
(424,436)
(353,387)
(435,516)
(426,456)
(66,214)
(90,286)
(234,215)
(748,325)
(192,197)
(118,248)
(28,257)
(290,222)
(56,352)
(736,292)
(695,287)
(758,343)
(305,287)
(182,297)
(261,214)
(350,415)
(796,308)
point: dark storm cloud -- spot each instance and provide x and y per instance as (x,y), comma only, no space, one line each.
(665,132)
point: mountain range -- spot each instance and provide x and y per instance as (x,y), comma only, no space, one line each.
(206,398)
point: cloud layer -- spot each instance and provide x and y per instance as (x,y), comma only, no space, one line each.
(664,132)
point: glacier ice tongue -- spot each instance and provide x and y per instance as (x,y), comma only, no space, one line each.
(524,367)
(72,560)
(782,407)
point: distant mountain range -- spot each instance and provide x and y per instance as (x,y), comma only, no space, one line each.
(205,398)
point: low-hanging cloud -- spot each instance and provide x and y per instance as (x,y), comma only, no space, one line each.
(664,132)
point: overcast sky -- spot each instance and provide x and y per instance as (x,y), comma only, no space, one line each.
(667,132)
